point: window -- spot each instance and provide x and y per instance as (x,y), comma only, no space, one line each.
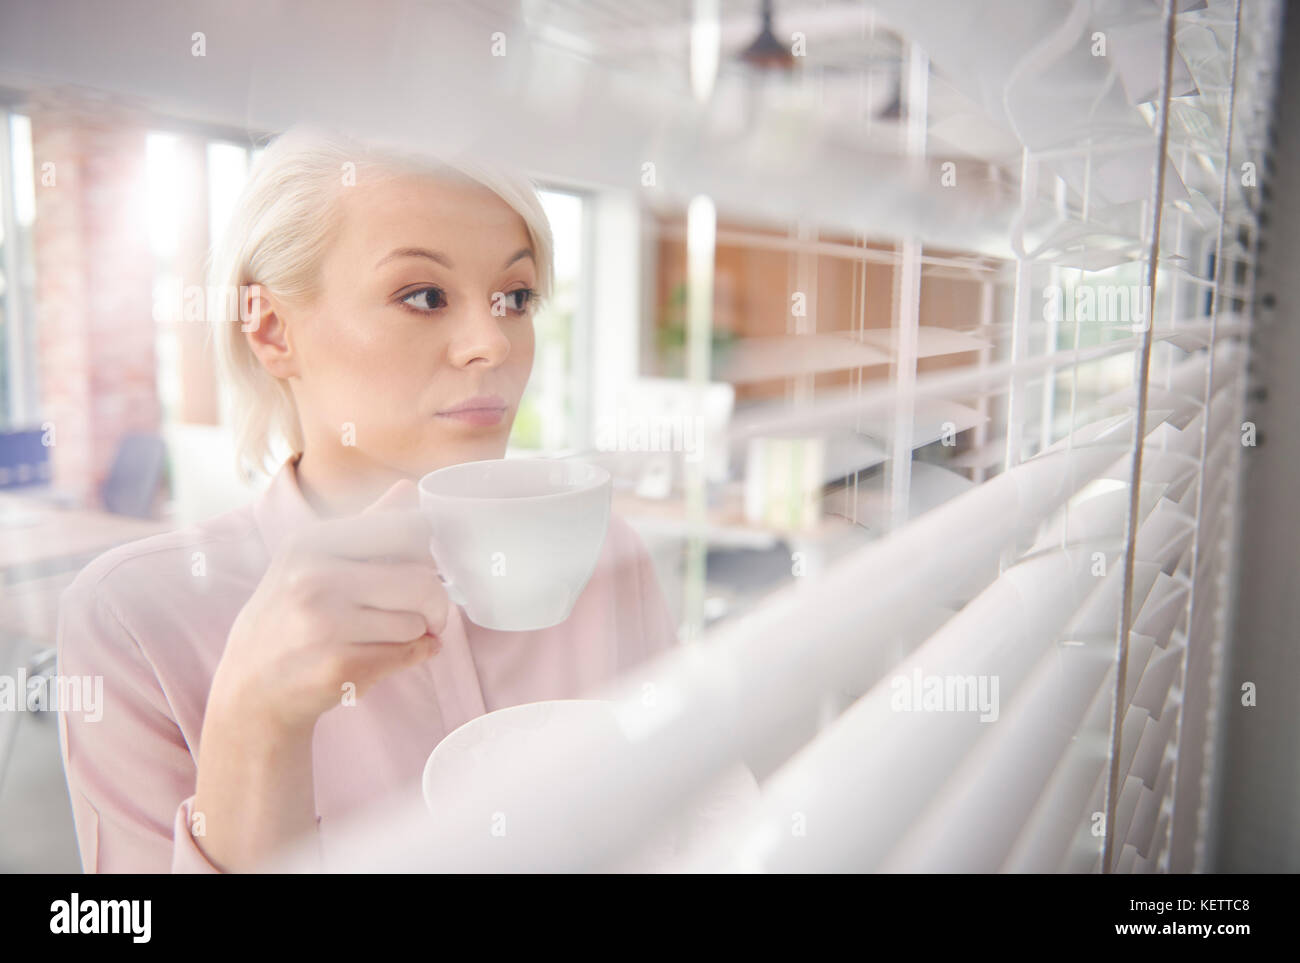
(547,420)
(194,183)
(984,287)
(18,369)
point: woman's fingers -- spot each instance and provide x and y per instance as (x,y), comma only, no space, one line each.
(363,664)
(399,586)
(361,624)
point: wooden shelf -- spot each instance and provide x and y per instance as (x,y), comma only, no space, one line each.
(725,524)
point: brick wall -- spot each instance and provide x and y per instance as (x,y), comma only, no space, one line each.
(94,276)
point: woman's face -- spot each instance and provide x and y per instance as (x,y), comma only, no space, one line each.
(425,304)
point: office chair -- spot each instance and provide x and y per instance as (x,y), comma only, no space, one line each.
(24,461)
(137,473)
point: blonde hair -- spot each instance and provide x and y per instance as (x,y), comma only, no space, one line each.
(282,227)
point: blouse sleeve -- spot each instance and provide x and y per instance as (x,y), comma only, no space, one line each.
(130,772)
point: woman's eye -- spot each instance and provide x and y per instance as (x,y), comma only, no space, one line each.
(426,299)
(520,299)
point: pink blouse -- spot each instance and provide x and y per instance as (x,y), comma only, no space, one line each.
(151,618)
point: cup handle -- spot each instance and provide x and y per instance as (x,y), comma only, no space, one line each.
(453,591)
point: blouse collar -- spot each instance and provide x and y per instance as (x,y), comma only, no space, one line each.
(282,508)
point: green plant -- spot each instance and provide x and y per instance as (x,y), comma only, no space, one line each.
(671,335)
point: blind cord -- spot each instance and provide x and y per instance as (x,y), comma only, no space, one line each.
(1139,439)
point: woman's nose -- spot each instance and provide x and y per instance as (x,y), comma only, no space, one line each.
(479,336)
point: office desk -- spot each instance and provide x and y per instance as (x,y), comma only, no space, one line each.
(41,550)
(31,531)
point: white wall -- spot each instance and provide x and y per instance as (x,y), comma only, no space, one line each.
(1259,776)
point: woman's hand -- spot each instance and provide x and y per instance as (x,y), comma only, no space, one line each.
(343,604)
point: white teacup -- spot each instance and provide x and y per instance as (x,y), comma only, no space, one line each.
(517,539)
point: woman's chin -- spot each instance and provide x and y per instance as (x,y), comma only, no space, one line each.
(457,452)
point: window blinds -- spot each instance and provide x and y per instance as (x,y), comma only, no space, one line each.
(1084,578)
(1099,755)
(1058,205)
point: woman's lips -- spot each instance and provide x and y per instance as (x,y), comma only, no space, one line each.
(476,416)
(479,410)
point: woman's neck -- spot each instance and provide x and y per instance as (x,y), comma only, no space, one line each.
(332,489)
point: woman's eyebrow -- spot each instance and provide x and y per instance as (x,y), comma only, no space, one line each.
(523,252)
(416,252)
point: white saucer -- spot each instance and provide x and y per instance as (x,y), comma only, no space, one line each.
(497,742)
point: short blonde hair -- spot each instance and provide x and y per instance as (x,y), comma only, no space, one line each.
(281,229)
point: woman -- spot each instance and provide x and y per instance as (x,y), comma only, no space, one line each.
(379,299)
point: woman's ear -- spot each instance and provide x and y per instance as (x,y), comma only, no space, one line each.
(267,333)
